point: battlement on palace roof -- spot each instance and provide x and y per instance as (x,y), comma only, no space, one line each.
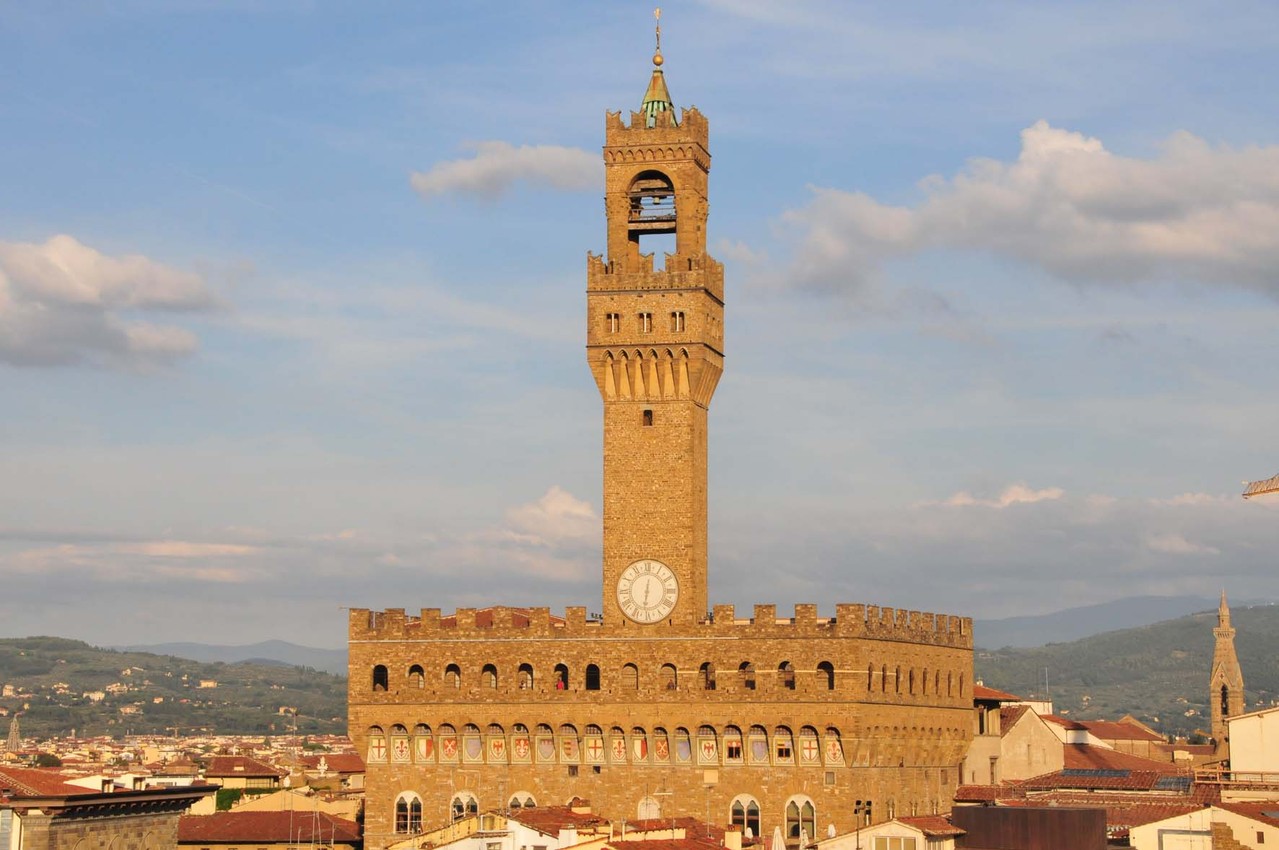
(850,621)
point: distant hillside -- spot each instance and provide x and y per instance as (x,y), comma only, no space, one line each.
(1158,673)
(1076,623)
(278,651)
(59,685)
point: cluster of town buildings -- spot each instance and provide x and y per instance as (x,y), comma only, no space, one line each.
(1026,779)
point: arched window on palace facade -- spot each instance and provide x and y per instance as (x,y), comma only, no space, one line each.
(463,805)
(801,820)
(744,812)
(408,813)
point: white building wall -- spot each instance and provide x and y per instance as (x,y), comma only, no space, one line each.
(1254,742)
(1183,832)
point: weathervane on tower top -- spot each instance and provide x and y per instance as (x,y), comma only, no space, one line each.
(657,57)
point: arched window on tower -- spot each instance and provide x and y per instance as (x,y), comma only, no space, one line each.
(707,675)
(452,676)
(786,675)
(380,678)
(670,677)
(417,676)
(826,675)
(746,673)
(592,677)
(630,677)
(652,197)
(561,677)
(1225,700)
(488,676)
(526,677)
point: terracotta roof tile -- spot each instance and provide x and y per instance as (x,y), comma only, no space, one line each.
(1110,730)
(34,782)
(1009,715)
(1091,757)
(1262,812)
(549,820)
(983,692)
(933,826)
(1062,722)
(276,827)
(225,766)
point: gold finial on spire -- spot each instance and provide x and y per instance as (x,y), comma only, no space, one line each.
(657,57)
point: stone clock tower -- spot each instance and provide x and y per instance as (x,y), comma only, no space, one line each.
(655,343)
(765,720)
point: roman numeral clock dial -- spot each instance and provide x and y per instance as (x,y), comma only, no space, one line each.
(647,591)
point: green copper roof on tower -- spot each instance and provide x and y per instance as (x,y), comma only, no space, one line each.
(657,98)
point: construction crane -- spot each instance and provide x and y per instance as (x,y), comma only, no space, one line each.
(1261,488)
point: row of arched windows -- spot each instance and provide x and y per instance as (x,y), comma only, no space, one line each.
(628,678)
(799,815)
(565,745)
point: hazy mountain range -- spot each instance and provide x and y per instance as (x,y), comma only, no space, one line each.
(266,652)
(1029,631)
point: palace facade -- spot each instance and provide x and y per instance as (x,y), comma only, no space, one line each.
(663,705)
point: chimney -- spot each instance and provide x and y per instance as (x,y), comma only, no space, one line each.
(733,837)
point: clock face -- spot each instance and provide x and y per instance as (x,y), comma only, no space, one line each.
(647,591)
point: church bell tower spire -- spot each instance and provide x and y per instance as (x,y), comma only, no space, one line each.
(655,345)
(1225,688)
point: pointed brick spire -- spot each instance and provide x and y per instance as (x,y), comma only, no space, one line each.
(1225,684)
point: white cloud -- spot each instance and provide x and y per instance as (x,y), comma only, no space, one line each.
(1014,494)
(497,166)
(133,562)
(1194,212)
(557,516)
(62,302)
(1177,544)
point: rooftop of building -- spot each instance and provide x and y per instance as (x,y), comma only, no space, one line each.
(222,767)
(552,820)
(983,693)
(263,827)
(933,826)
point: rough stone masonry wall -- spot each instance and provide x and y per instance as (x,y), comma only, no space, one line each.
(65,832)
(898,748)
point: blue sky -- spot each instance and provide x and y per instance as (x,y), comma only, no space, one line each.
(292,304)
